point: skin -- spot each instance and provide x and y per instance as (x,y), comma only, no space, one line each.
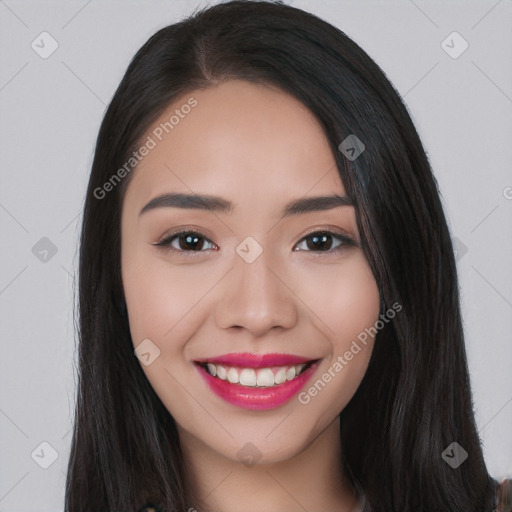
(259,148)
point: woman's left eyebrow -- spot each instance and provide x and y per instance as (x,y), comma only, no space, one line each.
(218,204)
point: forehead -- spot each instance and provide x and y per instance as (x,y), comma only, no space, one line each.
(237,139)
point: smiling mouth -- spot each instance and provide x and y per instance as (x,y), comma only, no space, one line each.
(268,377)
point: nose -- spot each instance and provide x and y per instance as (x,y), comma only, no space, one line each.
(256,296)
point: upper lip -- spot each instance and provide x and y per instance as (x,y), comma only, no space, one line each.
(248,360)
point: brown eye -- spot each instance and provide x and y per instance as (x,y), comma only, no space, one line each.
(325,241)
(185,241)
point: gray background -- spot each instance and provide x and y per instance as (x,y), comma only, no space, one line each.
(51,111)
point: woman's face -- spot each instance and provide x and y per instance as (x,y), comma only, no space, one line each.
(251,276)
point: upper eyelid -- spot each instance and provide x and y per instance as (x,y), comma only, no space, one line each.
(172,236)
(166,240)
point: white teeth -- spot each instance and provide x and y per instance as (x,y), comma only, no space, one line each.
(265,377)
(221,372)
(233,376)
(290,374)
(280,376)
(212,369)
(250,377)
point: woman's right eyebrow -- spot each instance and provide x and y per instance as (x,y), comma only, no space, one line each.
(219,204)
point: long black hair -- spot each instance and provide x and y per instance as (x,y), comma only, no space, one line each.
(415,399)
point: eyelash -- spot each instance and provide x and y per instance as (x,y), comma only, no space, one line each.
(165,244)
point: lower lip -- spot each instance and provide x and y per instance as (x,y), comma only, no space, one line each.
(256,398)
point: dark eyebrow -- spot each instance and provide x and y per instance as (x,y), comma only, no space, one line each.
(218,204)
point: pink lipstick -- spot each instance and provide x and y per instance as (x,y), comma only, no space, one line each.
(256,381)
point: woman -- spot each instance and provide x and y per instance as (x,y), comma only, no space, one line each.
(269,310)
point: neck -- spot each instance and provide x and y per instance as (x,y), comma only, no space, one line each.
(312,480)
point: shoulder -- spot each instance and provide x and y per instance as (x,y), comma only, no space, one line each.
(504,496)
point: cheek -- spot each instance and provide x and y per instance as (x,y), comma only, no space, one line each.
(160,298)
(345,299)
(164,305)
(348,303)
